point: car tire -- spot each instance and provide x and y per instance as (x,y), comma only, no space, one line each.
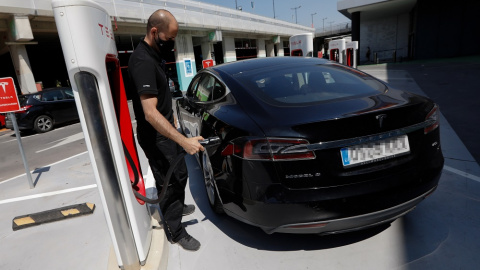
(43,124)
(210,185)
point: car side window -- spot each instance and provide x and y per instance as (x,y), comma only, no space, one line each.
(69,94)
(205,88)
(191,92)
(52,95)
(218,90)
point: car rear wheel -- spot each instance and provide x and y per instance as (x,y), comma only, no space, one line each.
(210,187)
(43,124)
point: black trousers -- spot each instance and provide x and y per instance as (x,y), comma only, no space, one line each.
(160,155)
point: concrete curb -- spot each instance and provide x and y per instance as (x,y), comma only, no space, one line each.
(157,256)
(53,215)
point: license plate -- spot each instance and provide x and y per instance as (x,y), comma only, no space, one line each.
(375,151)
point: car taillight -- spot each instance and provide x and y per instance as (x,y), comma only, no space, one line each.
(434,117)
(231,149)
(24,109)
(270,149)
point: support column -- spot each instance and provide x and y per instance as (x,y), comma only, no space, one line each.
(270,49)
(185,60)
(280,51)
(20,33)
(356,32)
(229,54)
(207,50)
(261,48)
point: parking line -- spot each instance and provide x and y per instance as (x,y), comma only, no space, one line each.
(462,173)
(65,140)
(47,194)
(9,141)
(37,134)
(49,165)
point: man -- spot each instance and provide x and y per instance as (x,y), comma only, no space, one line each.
(156,132)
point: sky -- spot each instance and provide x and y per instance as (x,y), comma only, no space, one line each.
(284,10)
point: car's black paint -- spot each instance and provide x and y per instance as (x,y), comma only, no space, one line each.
(276,194)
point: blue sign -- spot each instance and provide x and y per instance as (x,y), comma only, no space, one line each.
(188,67)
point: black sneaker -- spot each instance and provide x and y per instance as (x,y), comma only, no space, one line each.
(189,243)
(188,209)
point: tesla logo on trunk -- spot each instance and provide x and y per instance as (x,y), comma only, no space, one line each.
(380,119)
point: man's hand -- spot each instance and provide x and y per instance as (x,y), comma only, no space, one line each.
(192,146)
(161,124)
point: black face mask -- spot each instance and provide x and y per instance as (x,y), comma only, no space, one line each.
(164,46)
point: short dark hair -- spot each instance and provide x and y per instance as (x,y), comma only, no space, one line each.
(159,19)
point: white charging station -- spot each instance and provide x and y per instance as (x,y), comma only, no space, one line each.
(336,50)
(301,45)
(351,53)
(88,45)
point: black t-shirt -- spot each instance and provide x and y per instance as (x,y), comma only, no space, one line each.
(147,77)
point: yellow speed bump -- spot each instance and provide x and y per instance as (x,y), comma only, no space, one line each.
(35,219)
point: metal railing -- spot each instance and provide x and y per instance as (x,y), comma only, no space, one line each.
(339,28)
(388,56)
(188,13)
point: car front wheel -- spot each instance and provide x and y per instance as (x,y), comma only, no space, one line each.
(43,124)
(211,189)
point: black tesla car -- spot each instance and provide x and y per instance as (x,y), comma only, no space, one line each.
(306,145)
(42,110)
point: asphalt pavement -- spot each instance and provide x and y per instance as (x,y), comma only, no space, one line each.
(442,233)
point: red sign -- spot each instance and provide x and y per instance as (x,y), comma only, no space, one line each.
(8,96)
(207,63)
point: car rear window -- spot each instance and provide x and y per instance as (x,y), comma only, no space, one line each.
(22,100)
(53,95)
(307,84)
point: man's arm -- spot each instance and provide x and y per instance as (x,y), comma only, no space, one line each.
(163,126)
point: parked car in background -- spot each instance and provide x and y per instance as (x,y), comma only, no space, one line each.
(42,110)
(307,145)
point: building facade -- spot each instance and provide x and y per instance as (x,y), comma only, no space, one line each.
(30,49)
(413,29)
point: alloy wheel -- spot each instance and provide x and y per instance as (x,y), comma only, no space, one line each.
(43,124)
